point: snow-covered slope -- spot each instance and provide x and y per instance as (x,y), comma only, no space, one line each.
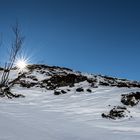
(73,115)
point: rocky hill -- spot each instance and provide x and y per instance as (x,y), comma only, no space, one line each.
(53,77)
(62,104)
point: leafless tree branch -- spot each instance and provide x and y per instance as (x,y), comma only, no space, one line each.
(15,49)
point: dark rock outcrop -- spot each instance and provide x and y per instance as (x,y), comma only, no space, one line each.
(58,92)
(63,80)
(80,89)
(27,84)
(116,113)
(89,90)
(131,99)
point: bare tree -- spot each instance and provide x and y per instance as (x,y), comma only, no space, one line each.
(14,50)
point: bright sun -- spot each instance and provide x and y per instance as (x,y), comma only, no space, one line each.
(21,64)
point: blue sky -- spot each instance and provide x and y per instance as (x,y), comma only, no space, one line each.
(95,36)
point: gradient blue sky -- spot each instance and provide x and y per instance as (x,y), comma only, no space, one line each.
(96,36)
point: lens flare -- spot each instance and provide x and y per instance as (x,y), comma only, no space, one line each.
(21,63)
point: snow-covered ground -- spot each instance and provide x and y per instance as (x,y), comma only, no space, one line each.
(41,115)
(74,116)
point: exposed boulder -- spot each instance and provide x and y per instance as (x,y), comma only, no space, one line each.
(123,84)
(131,99)
(57,92)
(80,89)
(103,83)
(117,112)
(63,92)
(94,85)
(89,90)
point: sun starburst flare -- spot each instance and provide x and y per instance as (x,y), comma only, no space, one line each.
(22,63)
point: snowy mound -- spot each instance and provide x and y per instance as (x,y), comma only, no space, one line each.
(61,104)
(52,77)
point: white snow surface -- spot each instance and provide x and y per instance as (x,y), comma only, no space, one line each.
(41,115)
